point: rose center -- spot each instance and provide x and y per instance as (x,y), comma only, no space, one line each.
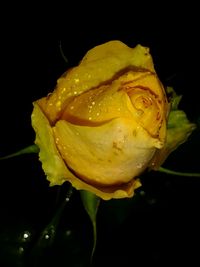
(146,108)
(141,102)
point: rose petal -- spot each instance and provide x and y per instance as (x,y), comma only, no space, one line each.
(109,154)
(56,169)
(99,65)
(52,163)
(98,105)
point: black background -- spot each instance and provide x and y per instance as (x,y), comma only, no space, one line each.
(161,226)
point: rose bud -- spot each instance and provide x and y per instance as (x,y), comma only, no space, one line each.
(101,126)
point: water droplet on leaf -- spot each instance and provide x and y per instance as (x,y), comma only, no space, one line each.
(46,236)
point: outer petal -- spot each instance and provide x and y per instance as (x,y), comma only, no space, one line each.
(55,168)
(52,163)
(107,155)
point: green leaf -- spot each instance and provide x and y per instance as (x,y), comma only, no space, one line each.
(27,150)
(91,203)
(47,236)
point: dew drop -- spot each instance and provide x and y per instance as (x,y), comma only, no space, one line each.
(63,90)
(21,250)
(142,193)
(72,107)
(68,232)
(46,236)
(139,112)
(98,113)
(90,118)
(93,103)
(58,104)
(26,235)
(139,165)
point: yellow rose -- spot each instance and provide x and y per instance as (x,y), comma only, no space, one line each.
(103,123)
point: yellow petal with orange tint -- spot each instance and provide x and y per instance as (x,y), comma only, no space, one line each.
(110,154)
(99,65)
(52,163)
(56,169)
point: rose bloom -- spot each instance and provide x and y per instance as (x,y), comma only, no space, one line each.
(103,123)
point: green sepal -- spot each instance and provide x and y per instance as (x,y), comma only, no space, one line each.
(179,128)
(91,203)
(27,150)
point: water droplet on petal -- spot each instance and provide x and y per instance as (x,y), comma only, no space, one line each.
(139,165)
(139,112)
(76,80)
(58,104)
(69,94)
(63,90)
